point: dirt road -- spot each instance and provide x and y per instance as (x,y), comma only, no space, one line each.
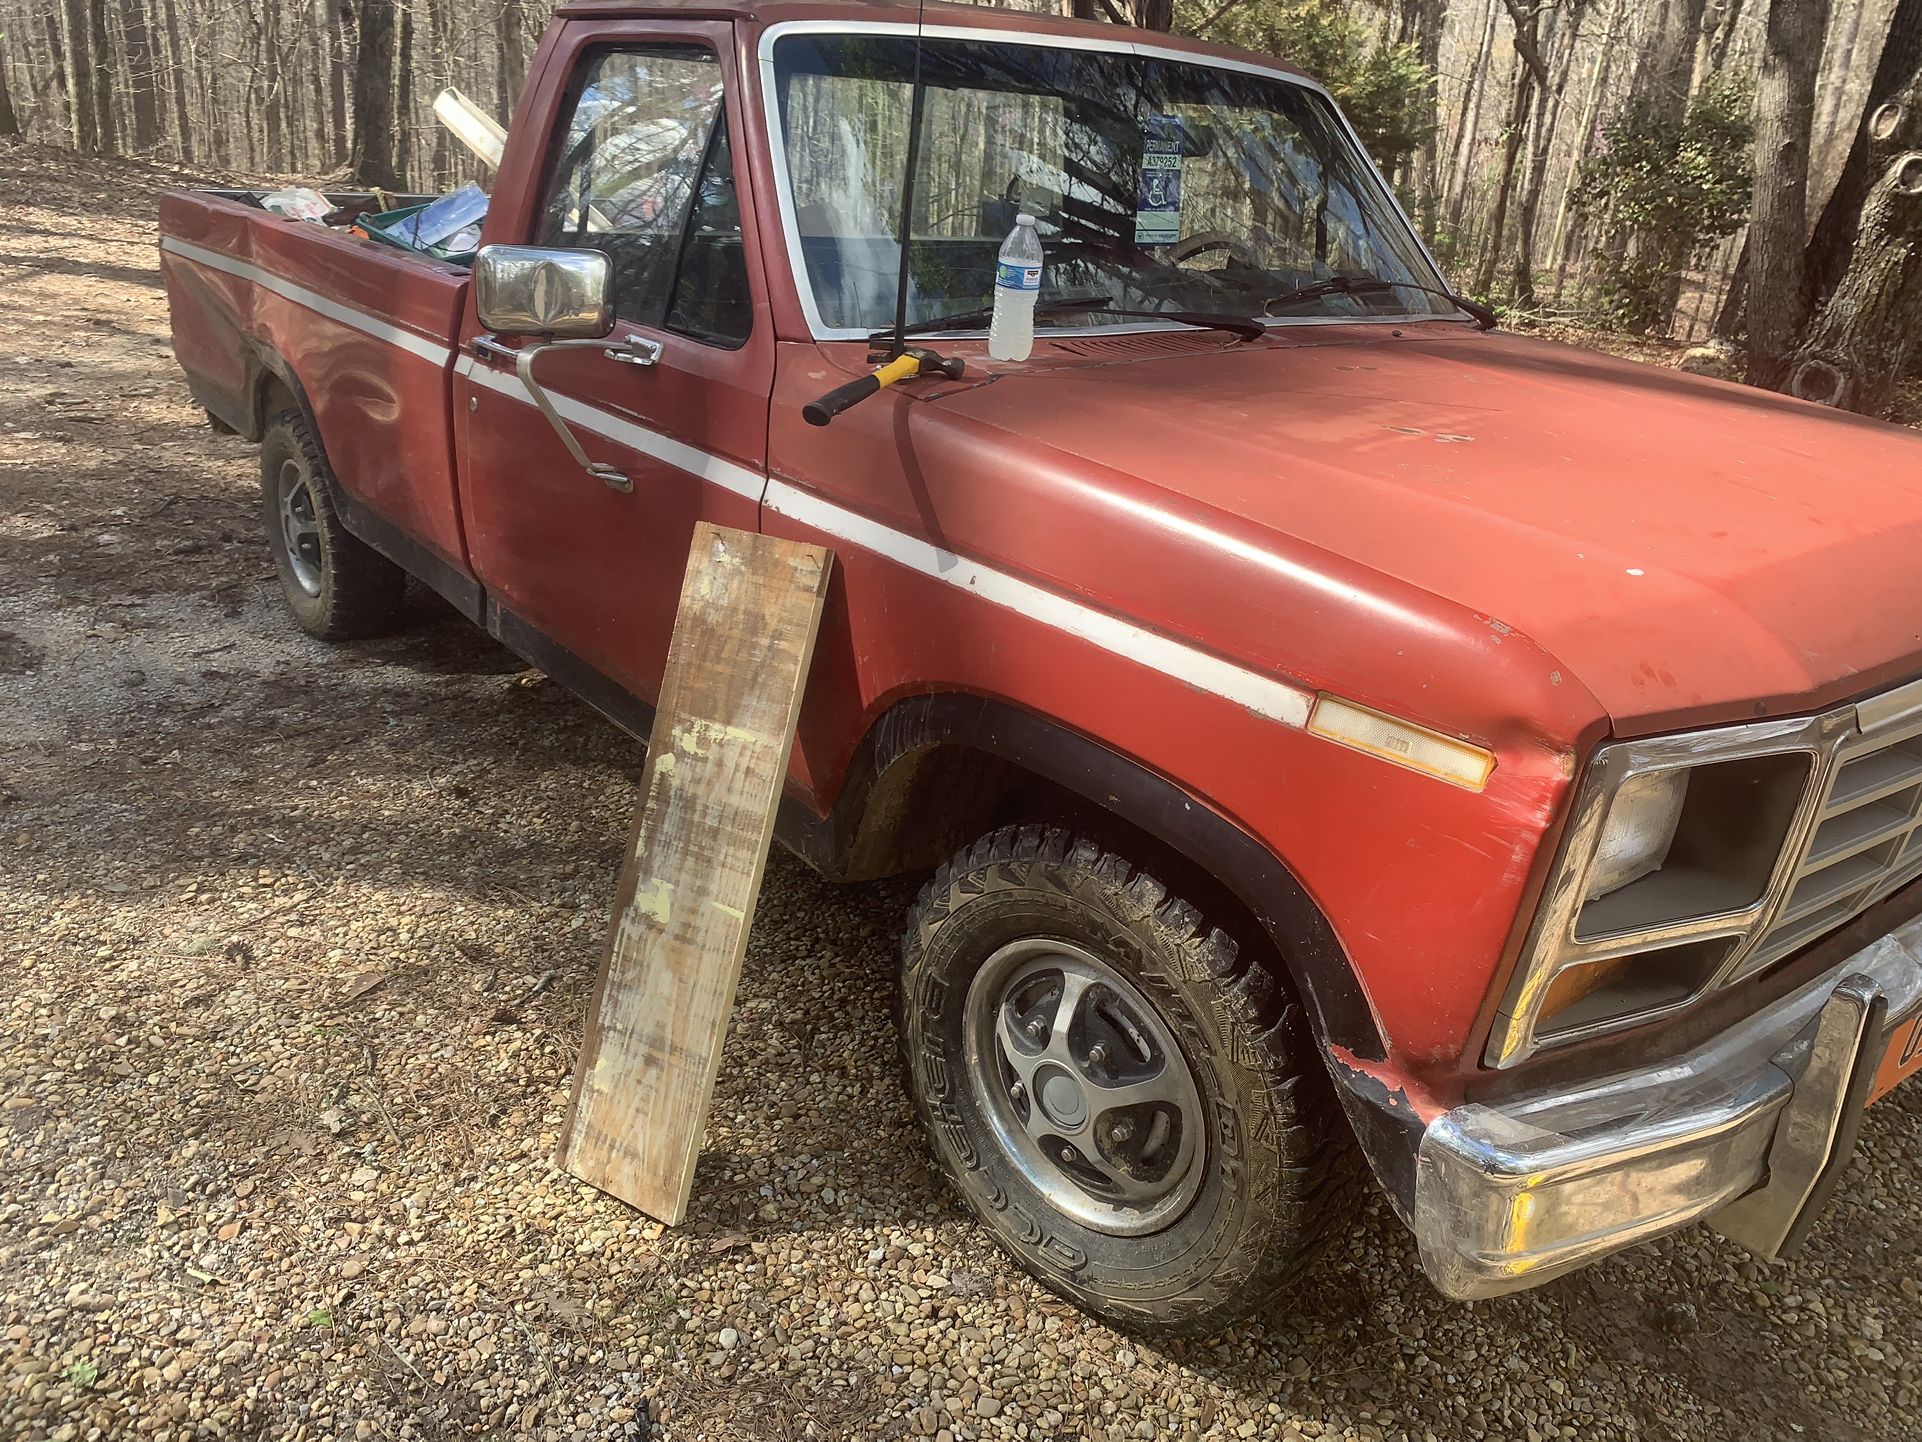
(296,944)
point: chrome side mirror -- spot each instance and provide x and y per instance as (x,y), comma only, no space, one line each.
(546,291)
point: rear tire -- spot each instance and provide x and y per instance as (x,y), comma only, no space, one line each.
(338,587)
(1040,974)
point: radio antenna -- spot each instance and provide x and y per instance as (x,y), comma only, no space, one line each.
(900,344)
(900,361)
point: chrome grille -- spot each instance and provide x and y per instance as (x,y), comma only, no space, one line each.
(1866,841)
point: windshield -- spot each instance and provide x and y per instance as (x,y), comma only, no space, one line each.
(1156,184)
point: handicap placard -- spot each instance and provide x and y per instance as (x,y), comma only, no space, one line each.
(1158,198)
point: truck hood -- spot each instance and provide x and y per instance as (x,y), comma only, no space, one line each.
(1691,550)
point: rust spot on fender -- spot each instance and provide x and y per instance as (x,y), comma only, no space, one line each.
(1383,1085)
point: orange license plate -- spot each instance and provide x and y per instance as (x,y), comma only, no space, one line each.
(1901,1059)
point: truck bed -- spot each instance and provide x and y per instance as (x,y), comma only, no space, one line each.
(364,335)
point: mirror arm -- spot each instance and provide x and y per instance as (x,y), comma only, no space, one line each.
(524,368)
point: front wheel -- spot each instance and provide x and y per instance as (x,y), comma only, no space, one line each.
(1128,1100)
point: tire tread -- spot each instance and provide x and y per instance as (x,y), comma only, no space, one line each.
(1316,1179)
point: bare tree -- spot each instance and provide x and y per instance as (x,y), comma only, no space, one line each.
(1778,307)
(137,50)
(9,123)
(1147,14)
(99,60)
(1833,239)
(1530,73)
(511,60)
(73,14)
(1472,98)
(375,158)
(181,70)
(1862,342)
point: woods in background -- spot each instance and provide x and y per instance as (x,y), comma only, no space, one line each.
(1748,171)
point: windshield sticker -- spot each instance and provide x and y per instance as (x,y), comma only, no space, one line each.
(1158,200)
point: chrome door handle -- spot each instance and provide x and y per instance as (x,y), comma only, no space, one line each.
(635,351)
(486,348)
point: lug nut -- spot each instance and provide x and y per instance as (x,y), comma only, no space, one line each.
(1098,1054)
(1037,1030)
(1068,1155)
(1018,1092)
(1121,1131)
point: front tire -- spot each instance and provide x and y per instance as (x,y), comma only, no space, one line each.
(1130,1102)
(338,587)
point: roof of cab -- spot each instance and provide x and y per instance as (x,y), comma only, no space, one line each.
(939,12)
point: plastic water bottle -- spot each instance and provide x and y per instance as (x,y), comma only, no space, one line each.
(1017,282)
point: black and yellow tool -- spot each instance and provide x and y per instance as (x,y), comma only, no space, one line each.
(913,361)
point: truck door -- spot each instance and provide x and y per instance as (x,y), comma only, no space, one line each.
(640,163)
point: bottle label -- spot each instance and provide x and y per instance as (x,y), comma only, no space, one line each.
(1010,276)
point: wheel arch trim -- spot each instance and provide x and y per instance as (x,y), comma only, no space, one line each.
(1130,790)
(268,368)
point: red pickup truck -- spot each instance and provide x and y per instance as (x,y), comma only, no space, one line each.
(1336,730)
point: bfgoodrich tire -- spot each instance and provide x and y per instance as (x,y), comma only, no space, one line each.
(1054,997)
(338,587)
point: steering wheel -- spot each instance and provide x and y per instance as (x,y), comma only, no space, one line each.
(1206,242)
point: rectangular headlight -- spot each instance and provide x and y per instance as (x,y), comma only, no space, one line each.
(1674,850)
(1639,830)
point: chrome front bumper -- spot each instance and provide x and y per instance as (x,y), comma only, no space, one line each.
(1748,1132)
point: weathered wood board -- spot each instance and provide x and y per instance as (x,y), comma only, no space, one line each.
(750,607)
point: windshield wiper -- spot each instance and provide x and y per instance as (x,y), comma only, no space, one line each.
(1246,327)
(1370,285)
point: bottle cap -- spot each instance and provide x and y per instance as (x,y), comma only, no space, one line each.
(1022,219)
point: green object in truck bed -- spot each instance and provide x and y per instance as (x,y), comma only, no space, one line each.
(390,228)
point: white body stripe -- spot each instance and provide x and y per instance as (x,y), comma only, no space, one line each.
(728,475)
(1260,693)
(410,341)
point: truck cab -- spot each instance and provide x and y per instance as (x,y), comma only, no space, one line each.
(1343,740)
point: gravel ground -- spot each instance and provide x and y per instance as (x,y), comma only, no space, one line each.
(298,941)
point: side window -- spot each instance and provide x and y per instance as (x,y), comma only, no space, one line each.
(643,173)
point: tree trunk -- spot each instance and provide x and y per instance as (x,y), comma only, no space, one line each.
(100,60)
(439,23)
(1152,14)
(1828,249)
(9,122)
(1778,298)
(510,69)
(1559,251)
(1430,17)
(1730,319)
(54,83)
(1665,71)
(1725,18)
(267,37)
(86,137)
(140,74)
(373,160)
(1471,120)
(1564,35)
(340,45)
(179,71)
(1860,346)
(1505,186)
(1530,71)
(406,145)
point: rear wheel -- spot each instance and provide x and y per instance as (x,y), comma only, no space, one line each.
(1128,1100)
(338,587)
